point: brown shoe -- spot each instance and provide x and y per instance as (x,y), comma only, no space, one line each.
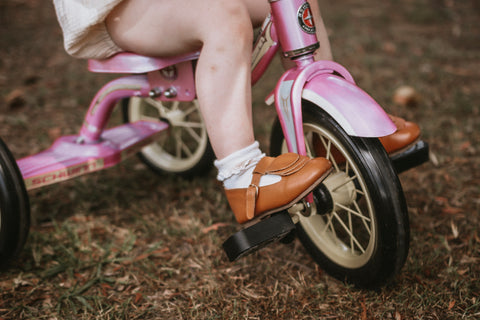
(300,175)
(406,135)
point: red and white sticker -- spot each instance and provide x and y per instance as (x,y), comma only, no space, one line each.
(305,18)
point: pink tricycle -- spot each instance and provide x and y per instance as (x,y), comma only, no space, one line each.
(354,225)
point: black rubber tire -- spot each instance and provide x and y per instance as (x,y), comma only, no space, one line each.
(14,208)
(385,239)
(163,161)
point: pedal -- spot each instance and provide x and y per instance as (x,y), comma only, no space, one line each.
(257,236)
(412,157)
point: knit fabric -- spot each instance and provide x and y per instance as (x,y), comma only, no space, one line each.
(83,24)
(236,170)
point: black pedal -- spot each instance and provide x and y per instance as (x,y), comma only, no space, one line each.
(259,235)
(412,157)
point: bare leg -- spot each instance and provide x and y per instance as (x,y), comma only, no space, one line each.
(223,30)
(325,52)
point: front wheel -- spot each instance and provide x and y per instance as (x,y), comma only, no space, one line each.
(184,148)
(357,230)
(14,208)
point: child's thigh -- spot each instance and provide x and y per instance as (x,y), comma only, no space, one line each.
(165,27)
(258,10)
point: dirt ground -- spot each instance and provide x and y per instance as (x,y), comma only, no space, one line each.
(127,244)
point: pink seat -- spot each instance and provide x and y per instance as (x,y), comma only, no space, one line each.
(126,62)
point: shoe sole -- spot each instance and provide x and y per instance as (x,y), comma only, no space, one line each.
(404,148)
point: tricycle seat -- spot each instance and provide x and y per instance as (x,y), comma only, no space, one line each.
(126,62)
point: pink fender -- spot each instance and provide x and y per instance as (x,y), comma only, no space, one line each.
(356,112)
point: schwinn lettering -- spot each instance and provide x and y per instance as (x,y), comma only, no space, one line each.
(64,174)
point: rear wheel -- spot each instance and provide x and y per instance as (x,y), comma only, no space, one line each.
(184,148)
(357,230)
(14,208)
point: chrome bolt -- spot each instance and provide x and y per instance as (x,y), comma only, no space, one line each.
(155,92)
(170,93)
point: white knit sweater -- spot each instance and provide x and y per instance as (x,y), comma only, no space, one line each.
(83,24)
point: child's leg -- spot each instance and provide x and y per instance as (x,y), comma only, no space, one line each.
(325,52)
(222,29)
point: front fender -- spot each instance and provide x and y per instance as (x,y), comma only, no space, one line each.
(356,112)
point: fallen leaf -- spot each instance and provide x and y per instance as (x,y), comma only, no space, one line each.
(441,200)
(138,297)
(54,133)
(364,310)
(389,47)
(106,286)
(142,256)
(454,229)
(406,96)
(451,305)
(15,99)
(466,145)
(447,177)
(451,210)
(253,295)
(462,272)
(467,259)
(214,227)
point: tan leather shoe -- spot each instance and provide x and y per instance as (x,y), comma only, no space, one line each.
(406,135)
(300,175)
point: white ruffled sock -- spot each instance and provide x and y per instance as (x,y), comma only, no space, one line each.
(236,170)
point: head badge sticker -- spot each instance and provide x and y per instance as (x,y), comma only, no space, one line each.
(305,18)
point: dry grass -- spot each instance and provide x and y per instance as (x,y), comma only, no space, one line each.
(124,244)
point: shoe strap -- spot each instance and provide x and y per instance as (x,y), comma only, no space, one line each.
(252,190)
(283,165)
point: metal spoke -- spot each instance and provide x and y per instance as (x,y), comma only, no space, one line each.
(190,110)
(330,225)
(308,137)
(344,183)
(349,232)
(181,146)
(350,226)
(358,191)
(360,215)
(193,134)
(186,150)
(364,221)
(157,105)
(178,144)
(175,105)
(148,118)
(189,124)
(328,148)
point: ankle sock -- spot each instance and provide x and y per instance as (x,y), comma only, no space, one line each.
(236,170)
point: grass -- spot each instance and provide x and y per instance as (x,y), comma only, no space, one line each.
(125,244)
